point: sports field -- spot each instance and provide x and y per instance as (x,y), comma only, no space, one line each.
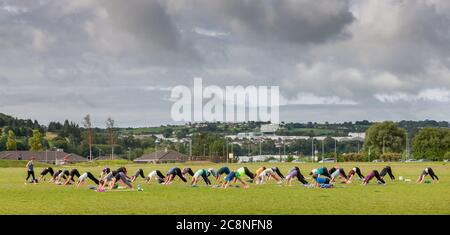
(398,197)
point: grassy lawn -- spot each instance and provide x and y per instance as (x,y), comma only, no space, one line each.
(396,197)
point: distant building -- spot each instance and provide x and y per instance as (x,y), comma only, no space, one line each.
(260,158)
(51,157)
(269,128)
(162,157)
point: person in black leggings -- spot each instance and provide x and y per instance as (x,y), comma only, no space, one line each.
(276,170)
(172,173)
(295,172)
(74,172)
(187,170)
(30,171)
(46,171)
(86,175)
(387,170)
(427,171)
(354,171)
(138,173)
(61,174)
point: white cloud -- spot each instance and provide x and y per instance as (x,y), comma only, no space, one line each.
(432,94)
(312,99)
(210,33)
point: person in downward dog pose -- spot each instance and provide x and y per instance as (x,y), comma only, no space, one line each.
(295,172)
(223,170)
(187,171)
(233,176)
(74,172)
(172,173)
(387,170)
(138,173)
(201,173)
(427,171)
(245,171)
(157,175)
(114,177)
(320,182)
(320,171)
(353,171)
(371,175)
(267,174)
(59,176)
(336,172)
(47,170)
(82,179)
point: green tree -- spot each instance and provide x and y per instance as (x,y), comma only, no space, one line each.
(11,143)
(385,137)
(431,143)
(35,141)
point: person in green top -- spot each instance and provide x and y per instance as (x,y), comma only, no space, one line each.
(245,171)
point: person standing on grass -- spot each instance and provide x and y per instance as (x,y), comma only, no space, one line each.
(371,175)
(172,173)
(387,170)
(354,171)
(233,176)
(30,170)
(427,171)
(295,172)
(47,170)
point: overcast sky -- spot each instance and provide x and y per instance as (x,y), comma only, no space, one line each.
(333,60)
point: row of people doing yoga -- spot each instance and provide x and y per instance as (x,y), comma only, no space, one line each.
(321,176)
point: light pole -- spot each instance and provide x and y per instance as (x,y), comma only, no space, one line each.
(335,150)
(383,144)
(260,152)
(129,154)
(156,148)
(312,149)
(323,148)
(190,148)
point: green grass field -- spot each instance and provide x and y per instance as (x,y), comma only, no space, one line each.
(396,197)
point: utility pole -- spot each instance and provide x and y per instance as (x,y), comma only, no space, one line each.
(312,149)
(129,154)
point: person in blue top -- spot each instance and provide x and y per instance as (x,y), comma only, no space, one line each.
(174,171)
(321,182)
(30,171)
